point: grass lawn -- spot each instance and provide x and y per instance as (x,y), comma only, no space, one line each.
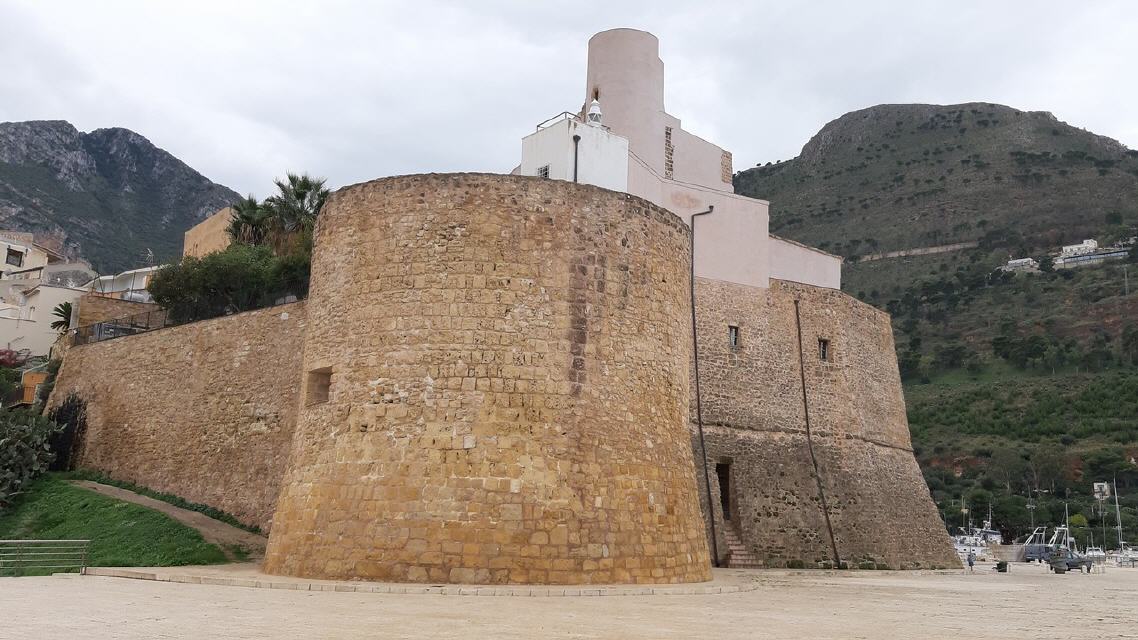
(121,534)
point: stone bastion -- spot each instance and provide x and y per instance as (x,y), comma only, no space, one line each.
(495,389)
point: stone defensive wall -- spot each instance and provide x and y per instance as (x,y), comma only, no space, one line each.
(205,411)
(867,501)
(495,389)
(491,382)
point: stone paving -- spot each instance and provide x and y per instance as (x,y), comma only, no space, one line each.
(250,576)
(1028,603)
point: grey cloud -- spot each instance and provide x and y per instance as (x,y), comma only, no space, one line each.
(244,91)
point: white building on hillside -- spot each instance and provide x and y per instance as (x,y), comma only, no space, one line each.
(34,280)
(26,318)
(1022,264)
(128,285)
(1083,248)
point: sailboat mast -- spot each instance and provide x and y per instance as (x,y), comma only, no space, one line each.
(1117,514)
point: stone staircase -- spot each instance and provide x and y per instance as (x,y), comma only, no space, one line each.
(738,556)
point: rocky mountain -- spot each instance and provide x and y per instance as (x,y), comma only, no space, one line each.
(109,196)
(900,176)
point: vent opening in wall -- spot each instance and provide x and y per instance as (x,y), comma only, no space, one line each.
(823,350)
(318,385)
(543,171)
(733,336)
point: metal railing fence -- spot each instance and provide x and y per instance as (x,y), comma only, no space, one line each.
(127,326)
(152,320)
(18,557)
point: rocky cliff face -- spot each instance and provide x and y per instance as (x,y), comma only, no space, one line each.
(109,196)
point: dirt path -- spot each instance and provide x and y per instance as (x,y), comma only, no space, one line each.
(225,536)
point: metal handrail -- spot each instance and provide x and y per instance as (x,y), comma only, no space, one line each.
(149,321)
(564,115)
(18,556)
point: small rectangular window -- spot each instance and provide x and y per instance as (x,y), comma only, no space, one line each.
(15,258)
(823,350)
(318,386)
(733,336)
(543,171)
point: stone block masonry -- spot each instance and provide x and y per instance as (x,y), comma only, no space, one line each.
(491,383)
(205,411)
(867,498)
(497,389)
(92,308)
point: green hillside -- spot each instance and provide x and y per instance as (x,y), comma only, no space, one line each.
(902,176)
(1006,374)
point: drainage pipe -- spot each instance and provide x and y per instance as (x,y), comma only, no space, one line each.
(810,440)
(698,405)
(576,145)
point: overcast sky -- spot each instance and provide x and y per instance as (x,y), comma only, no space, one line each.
(244,91)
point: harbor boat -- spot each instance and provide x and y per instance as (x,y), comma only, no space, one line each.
(979,541)
(1124,556)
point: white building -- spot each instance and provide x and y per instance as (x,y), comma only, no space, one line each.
(128,285)
(1022,264)
(622,139)
(1083,248)
(25,322)
(34,280)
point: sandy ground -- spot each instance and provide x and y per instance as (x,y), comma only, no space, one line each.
(1028,603)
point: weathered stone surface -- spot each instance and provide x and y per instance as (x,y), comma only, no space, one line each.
(505,366)
(205,411)
(754,419)
(494,388)
(93,308)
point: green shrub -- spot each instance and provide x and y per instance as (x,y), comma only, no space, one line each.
(241,278)
(25,451)
(48,383)
(9,384)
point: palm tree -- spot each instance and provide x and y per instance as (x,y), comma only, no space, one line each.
(250,222)
(293,211)
(63,312)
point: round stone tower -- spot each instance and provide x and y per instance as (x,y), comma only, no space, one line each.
(496,389)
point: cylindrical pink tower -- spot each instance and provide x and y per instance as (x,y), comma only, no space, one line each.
(627,77)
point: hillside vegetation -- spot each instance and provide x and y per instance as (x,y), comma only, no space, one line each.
(1022,388)
(1006,439)
(902,176)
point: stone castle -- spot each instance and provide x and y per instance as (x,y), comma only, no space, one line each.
(495,378)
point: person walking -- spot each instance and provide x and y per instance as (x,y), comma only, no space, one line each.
(971,561)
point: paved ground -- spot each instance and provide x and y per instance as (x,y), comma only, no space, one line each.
(213,531)
(1028,603)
